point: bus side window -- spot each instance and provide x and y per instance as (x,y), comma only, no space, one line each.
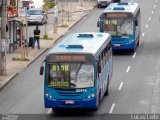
(109,49)
(137,18)
(99,68)
(105,55)
(101,56)
(136,22)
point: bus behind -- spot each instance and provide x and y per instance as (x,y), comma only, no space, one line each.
(122,21)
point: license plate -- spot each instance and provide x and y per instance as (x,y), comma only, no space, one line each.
(117,45)
(69,102)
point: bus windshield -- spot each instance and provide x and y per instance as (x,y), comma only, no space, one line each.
(118,26)
(70,75)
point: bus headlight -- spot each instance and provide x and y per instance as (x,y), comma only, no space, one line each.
(92,95)
(46,94)
(131,41)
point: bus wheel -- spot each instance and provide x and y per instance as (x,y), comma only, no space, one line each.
(133,50)
(56,110)
(107,90)
(94,109)
(138,43)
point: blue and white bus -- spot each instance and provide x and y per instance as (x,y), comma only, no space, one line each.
(122,21)
(77,71)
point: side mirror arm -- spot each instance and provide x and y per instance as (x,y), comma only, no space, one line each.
(42,68)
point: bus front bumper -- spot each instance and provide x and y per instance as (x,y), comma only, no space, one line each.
(56,103)
(128,46)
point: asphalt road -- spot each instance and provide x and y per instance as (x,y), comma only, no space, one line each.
(135,86)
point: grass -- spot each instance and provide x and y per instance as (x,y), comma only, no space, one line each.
(46,37)
(20,59)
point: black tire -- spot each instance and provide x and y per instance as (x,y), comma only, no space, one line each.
(138,40)
(138,43)
(107,90)
(94,109)
(133,50)
(56,110)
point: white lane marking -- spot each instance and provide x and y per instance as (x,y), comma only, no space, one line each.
(120,86)
(154,6)
(152,11)
(134,55)
(147,26)
(149,18)
(49,111)
(112,107)
(143,34)
(128,69)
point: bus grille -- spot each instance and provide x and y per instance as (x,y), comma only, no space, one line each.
(68,92)
(117,40)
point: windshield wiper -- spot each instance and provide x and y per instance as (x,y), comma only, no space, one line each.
(72,85)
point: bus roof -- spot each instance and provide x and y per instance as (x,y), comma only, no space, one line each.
(87,42)
(122,7)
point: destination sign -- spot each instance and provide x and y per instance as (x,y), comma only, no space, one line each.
(70,58)
(117,15)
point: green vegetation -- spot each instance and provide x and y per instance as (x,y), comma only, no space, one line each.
(48,4)
(20,59)
(45,36)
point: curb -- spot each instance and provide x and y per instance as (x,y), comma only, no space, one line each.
(57,39)
(77,22)
(8,80)
(36,57)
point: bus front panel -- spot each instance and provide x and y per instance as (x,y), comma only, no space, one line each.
(70,82)
(121,27)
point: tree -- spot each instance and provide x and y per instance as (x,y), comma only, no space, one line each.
(48,4)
